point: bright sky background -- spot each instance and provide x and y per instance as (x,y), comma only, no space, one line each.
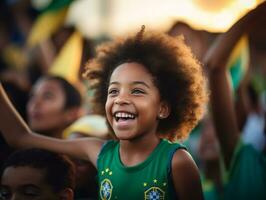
(116,17)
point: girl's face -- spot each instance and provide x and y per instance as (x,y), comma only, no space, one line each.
(133,102)
(45,108)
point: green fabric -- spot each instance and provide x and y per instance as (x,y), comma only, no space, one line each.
(246,178)
(211,194)
(147,180)
(237,73)
(258,81)
(209,190)
(57,5)
(239,61)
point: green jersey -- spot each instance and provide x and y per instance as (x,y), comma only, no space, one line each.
(246,178)
(150,179)
(209,190)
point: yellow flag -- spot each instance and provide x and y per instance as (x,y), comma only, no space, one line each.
(239,60)
(67,63)
(45,25)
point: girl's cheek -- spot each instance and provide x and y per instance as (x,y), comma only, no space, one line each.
(108,113)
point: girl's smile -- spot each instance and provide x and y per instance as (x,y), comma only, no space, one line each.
(124,119)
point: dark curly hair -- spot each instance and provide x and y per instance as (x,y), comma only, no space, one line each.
(177,74)
(59,170)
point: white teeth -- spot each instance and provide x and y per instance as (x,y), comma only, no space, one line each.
(124,115)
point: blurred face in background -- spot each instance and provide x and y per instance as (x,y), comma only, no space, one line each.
(45,109)
(208,145)
(25,183)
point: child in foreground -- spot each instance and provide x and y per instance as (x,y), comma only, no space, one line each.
(132,78)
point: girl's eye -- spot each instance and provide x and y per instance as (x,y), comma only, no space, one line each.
(137,91)
(112,91)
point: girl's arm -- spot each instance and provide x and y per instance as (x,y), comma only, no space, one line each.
(18,134)
(221,94)
(186,176)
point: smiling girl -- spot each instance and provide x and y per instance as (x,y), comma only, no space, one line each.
(152,91)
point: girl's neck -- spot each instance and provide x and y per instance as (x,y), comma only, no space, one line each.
(137,151)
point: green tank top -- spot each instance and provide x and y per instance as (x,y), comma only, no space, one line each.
(246,178)
(150,179)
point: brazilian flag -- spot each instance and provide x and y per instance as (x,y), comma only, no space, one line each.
(238,61)
(51,19)
(56,5)
(68,61)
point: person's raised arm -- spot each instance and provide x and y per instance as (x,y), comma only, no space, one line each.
(18,134)
(221,94)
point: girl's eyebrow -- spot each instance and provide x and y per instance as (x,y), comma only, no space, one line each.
(133,83)
(141,83)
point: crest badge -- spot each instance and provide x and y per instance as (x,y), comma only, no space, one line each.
(154,193)
(106,189)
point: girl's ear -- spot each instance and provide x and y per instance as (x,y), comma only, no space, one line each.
(164,110)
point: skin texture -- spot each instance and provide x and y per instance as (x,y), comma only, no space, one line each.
(26,183)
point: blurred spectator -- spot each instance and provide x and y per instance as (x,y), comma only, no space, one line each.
(209,163)
(244,173)
(55,109)
(252,130)
(37,174)
(53,105)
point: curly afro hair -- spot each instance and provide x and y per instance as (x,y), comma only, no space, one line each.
(176,72)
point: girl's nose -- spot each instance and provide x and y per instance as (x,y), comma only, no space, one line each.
(122,99)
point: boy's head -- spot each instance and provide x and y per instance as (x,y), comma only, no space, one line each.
(37,174)
(176,73)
